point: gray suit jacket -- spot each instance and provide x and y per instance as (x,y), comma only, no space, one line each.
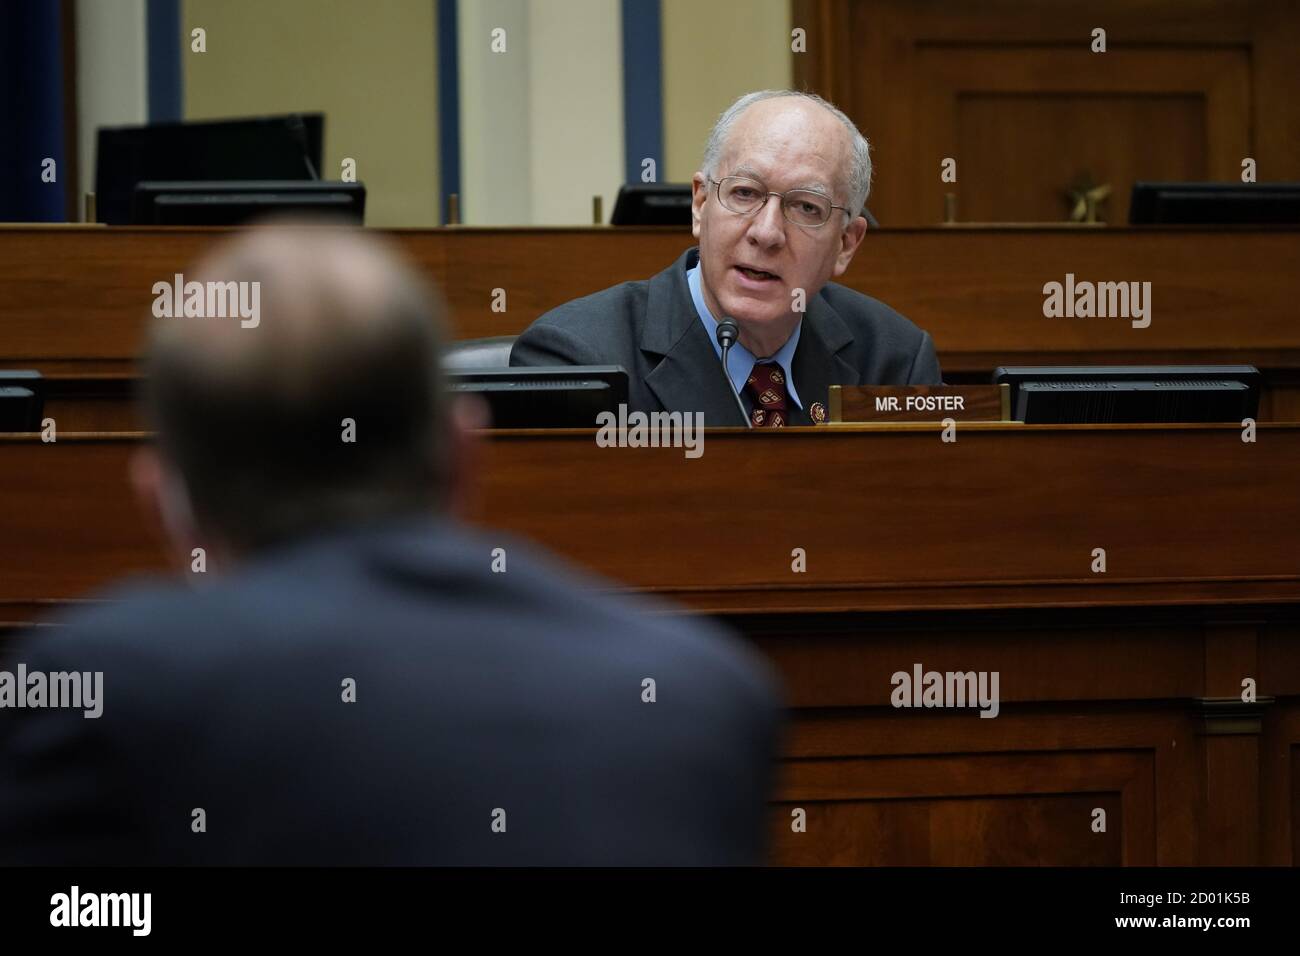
(474,691)
(651,328)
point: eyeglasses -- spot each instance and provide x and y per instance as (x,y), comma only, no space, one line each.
(803,207)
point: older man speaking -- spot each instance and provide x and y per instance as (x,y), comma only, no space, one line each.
(777,212)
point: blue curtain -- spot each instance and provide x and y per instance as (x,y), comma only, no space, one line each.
(31,111)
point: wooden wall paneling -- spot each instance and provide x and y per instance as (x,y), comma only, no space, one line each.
(969,810)
(1107,687)
(1047,496)
(912,65)
(1279,786)
(1275,89)
(77,298)
(1043,117)
(1231,738)
(955,788)
(1279,669)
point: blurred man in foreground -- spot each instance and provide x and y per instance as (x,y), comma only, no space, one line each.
(348,681)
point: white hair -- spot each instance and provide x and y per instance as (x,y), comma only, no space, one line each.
(859,171)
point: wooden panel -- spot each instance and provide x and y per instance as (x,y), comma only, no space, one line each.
(921,80)
(959,557)
(1173,127)
(1056,662)
(76,298)
(1007,756)
(1279,670)
(1232,798)
(968,810)
(850,496)
(1034,121)
(1294,820)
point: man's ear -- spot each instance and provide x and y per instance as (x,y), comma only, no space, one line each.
(145,472)
(163,499)
(849,242)
(699,193)
(469,417)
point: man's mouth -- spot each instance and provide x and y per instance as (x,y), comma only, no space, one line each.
(758,275)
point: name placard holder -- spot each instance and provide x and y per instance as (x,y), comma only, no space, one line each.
(870,404)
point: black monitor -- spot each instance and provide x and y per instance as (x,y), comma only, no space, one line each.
(267,147)
(233,203)
(1106,394)
(1215,204)
(560,396)
(22,400)
(652,204)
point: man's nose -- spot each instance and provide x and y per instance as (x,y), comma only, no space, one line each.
(767,228)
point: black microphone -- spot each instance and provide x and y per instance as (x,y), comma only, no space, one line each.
(728,332)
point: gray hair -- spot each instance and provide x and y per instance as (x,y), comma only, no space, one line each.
(859,172)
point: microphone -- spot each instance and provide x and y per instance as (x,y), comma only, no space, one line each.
(728,332)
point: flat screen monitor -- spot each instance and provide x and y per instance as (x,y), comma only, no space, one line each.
(265,147)
(1215,204)
(240,201)
(22,400)
(1114,394)
(652,204)
(561,396)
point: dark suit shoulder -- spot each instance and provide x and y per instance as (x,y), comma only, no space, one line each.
(868,316)
(335,597)
(597,329)
(626,297)
(888,348)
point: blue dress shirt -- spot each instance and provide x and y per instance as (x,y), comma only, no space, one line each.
(740,361)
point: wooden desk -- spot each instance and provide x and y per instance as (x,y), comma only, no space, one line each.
(75,298)
(1119,691)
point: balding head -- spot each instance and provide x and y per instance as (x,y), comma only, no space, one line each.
(807,121)
(327,411)
(758,265)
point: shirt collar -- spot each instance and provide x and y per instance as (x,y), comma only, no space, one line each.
(740,361)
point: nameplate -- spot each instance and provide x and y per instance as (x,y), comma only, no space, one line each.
(855,404)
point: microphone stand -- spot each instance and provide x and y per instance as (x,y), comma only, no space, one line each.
(728,332)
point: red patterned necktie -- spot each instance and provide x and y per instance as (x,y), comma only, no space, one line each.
(767,392)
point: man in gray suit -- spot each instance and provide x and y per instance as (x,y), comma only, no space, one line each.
(776,209)
(354,677)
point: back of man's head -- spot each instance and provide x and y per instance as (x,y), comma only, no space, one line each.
(324,409)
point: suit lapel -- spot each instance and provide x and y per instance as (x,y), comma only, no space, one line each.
(817,361)
(689,377)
